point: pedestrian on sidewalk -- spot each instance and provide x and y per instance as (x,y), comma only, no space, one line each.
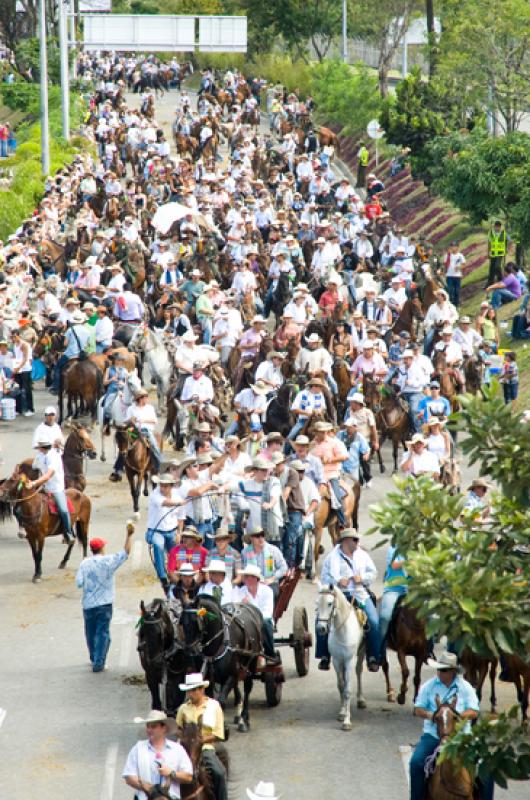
(95,577)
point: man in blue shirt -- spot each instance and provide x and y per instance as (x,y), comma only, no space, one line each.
(434,404)
(442,689)
(95,577)
(76,340)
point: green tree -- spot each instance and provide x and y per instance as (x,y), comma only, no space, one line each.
(347,95)
(488,46)
(470,579)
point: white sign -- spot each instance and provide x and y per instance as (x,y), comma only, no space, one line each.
(87,6)
(130,32)
(374,130)
(417,30)
(223,34)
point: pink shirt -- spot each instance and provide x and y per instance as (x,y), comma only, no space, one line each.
(375,365)
(329,451)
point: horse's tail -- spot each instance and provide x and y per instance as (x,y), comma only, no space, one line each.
(6,509)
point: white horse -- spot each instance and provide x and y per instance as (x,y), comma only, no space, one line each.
(157,357)
(338,618)
(118,407)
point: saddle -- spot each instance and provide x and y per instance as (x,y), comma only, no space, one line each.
(52,505)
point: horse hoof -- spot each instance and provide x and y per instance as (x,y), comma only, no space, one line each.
(36,579)
(242,726)
(391,696)
(361,703)
(346,726)
(62,565)
(382,469)
(103,458)
(401,698)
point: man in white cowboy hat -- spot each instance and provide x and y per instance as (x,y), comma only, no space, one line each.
(395,295)
(162,522)
(49,463)
(332,453)
(270,371)
(142,414)
(417,460)
(157,760)
(184,587)
(76,340)
(195,487)
(255,592)
(467,337)
(439,313)
(263,791)
(197,389)
(49,429)
(316,361)
(204,438)
(410,379)
(447,688)
(208,715)
(226,332)
(352,570)
(259,497)
(218,584)
(252,401)
(117,279)
(187,354)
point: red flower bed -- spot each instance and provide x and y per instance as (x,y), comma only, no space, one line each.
(443,218)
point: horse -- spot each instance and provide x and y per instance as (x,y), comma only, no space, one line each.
(392,420)
(32,510)
(149,342)
(519,670)
(338,618)
(448,780)
(229,640)
(202,786)
(473,369)
(82,383)
(161,656)
(445,375)
(411,313)
(327,137)
(326,516)
(77,445)
(278,414)
(406,636)
(475,670)
(138,462)
(341,373)
(116,411)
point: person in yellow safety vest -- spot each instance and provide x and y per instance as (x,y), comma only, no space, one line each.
(497,244)
(363,156)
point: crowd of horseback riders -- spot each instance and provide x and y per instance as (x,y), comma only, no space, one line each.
(290,328)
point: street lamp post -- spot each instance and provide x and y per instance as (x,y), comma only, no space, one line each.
(43,69)
(65,82)
(345,31)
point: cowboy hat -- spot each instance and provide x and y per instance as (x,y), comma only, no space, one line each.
(215,565)
(258,319)
(275,354)
(261,463)
(189,336)
(194,680)
(446,661)
(263,791)
(357,397)
(418,438)
(164,480)
(190,531)
(78,317)
(156,716)
(203,427)
(141,392)
(478,483)
(298,465)
(274,436)
(313,338)
(186,462)
(259,387)
(435,421)
(204,458)
(349,533)
(277,458)
(232,439)
(323,427)
(41,442)
(252,570)
(223,533)
(186,569)
(302,439)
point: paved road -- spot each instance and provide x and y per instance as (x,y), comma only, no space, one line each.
(66,731)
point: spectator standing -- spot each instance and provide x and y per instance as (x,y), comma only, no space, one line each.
(454,261)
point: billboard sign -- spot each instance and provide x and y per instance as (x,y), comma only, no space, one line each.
(223,34)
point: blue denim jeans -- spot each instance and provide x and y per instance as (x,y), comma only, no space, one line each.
(59,367)
(388,603)
(3,148)
(373,639)
(62,508)
(293,539)
(206,325)
(162,542)
(427,342)
(154,446)
(502,296)
(425,748)
(337,491)
(97,633)
(453,290)
(413,399)
(297,427)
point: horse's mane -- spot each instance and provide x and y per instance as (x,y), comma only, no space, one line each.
(343,607)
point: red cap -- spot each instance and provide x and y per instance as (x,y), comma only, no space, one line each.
(97,544)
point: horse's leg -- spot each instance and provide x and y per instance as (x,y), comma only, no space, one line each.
(36,550)
(346,694)
(82,532)
(244,722)
(339,670)
(316,552)
(493,697)
(238,703)
(402,658)
(145,479)
(64,562)
(131,477)
(395,450)
(390,692)
(361,702)
(482,672)
(418,661)
(525,694)
(380,454)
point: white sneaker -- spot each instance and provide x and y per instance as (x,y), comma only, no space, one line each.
(368,485)
(28,413)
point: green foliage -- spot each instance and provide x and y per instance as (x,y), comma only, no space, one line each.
(349,96)
(499,747)
(27,57)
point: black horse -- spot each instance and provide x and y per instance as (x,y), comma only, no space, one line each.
(230,642)
(278,416)
(281,295)
(164,661)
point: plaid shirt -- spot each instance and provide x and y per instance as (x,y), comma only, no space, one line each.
(270,561)
(180,555)
(231,558)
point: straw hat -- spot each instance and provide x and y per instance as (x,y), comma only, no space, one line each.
(194,680)
(252,570)
(446,661)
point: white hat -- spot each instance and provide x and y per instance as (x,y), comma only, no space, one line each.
(408,353)
(351,421)
(156,716)
(215,565)
(50,410)
(446,661)
(78,317)
(252,570)
(357,397)
(91,261)
(263,791)
(258,318)
(313,338)
(189,336)
(368,345)
(164,480)
(259,387)
(186,569)
(193,681)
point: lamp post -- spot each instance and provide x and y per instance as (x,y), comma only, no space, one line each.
(345,31)
(43,69)
(65,82)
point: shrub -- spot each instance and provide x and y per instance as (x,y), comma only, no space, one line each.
(347,95)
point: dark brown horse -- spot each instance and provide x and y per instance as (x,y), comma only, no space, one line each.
(446,376)
(341,373)
(77,446)
(410,315)
(32,510)
(475,670)
(519,672)
(202,787)
(138,462)
(406,636)
(448,780)
(391,419)
(82,383)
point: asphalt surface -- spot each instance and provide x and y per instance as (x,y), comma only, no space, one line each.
(65,732)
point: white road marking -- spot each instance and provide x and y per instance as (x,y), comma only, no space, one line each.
(3,713)
(107,793)
(405,752)
(136,557)
(125,649)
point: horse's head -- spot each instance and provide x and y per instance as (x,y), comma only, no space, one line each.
(138,341)
(85,445)
(155,633)
(325,609)
(446,717)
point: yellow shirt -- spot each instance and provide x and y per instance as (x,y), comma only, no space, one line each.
(208,715)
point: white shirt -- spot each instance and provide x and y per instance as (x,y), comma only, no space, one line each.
(437,314)
(145,416)
(267,372)
(453,351)
(248,401)
(396,297)
(454,267)
(196,506)
(201,387)
(226,589)
(173,755)
(467,340)
(160,517)
(338,565)
(223,327)
(51,460)
(264,599)
(319,360)
(425,462)
(49,432)
(104,330)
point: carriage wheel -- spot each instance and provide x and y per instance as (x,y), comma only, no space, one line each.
(273,688)
(301,641)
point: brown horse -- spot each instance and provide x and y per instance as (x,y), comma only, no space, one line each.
(475,671)
(138,462)
(519,671)
(341,373)
(391,419)
(202,787)
(326,516)
(78,445)
(82,383)
(446,376)
(448,781)
(409,316)
(406,636)
(33,513)
(327,137)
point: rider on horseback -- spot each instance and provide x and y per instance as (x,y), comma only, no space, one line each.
(49,463)
(143,415)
